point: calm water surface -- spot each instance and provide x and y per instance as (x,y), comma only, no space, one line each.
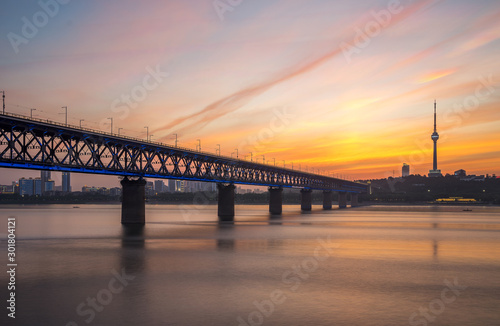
(364,266)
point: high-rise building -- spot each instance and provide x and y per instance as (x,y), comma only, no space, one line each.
(66,182)
(15,187)
(180,185)
(38,186)
(150,188)
(435,136)
(45,177)
(26,187)
(171,185)
(405,171)
(50,186)
(159,186)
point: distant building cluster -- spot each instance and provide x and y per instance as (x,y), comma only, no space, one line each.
(170,186)
(461,174)
(45,186)
(42,186)
(116,191)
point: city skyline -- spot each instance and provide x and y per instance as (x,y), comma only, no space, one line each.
(357,111)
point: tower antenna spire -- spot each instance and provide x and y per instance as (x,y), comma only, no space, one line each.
(434,115)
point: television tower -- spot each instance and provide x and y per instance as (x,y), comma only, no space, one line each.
(435,136)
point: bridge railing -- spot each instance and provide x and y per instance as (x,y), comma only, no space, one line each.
(141,140)
(237,170)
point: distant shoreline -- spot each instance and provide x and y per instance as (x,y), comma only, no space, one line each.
(190,203)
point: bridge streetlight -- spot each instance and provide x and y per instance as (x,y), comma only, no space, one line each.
(237,155)
(31,113)
(65,113)
(218,145)
(292,165)
(263,159)
(251,157)
(147,133)
(81,123)
(175,139)
(274,161)
(3,100)
(199,144)
(111,125)
(284,165)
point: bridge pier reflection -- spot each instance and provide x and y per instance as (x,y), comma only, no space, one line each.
(133,201)
(225,202)
(275,200)
(327,200)
(306,200)
(342,199)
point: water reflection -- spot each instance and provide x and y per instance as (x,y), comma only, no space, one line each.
(133,253)
(435,248)
(381,266)
(225,240)
(275,216)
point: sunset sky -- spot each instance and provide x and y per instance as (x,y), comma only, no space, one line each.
(346,87)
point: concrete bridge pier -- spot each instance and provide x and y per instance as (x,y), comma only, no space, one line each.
(327,200)
(354,200)
(342,199)
(275,200)
(225,199)
(306,199)
(133,201)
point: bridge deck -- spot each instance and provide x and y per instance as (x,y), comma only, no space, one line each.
(46,145)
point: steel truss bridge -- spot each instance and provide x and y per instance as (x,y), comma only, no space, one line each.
(46,145)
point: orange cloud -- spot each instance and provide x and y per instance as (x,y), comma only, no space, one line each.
(436,75)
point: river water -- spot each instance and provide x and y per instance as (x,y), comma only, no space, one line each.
(380,265)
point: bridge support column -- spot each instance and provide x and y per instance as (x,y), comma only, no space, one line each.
(327,200)
(275,200)
(354,200)
(342,199)
(306,199)
(225,199)
(133,201)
